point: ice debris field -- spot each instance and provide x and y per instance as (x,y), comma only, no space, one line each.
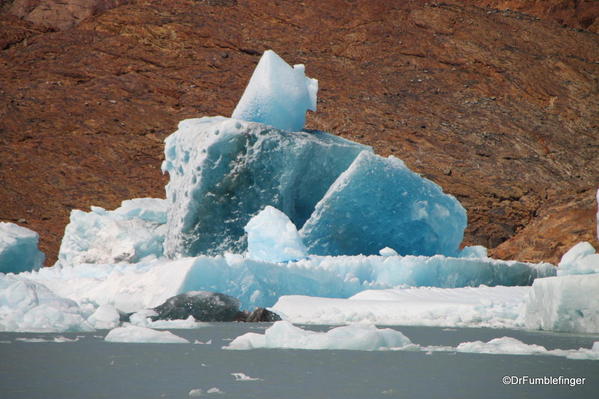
(316,227)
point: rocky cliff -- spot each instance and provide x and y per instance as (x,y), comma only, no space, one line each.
(496,101)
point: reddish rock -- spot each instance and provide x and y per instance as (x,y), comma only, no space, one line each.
(581,14)
(499,108)
(60,14)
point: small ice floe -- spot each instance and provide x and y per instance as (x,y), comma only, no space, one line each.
(244,377)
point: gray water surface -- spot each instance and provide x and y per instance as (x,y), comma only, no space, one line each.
(93,368)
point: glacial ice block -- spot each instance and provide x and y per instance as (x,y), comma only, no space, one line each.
(580,259)
(26,305)
(277,95)
(223,172)
(127,234)
(283,334)
(143,335)
(564,303)
(272,237)
(378,202)
(495,307)
(18,249)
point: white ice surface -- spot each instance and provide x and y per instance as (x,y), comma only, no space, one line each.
(564,303)
(18,249)
(272,237)
(138,334)
(27,305)
(499,307)
(132,287)
(277,94)
(105,317)
(283,334)
(128,234)
(580,259)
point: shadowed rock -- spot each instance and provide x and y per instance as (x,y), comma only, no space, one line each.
(202,305)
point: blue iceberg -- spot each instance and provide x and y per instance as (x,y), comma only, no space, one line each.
(277,94)
(272,237)
(18,249)
(378,202)
(223,172)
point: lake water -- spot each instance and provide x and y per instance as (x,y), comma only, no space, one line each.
(92,368)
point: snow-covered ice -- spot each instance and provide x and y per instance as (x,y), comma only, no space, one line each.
(277,94)
(498,307)
(223,172)
(379,202)
(18,249)
(283,334)
(564,303)
(138,334)
(128,234)
(580,259)
(272,237)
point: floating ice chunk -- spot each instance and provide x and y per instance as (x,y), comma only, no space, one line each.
(379,202)
(580,259)
(245,377)
(143,335)
(29,306)
(18,249)
(503,345)
(272,237)
(388,252)
(105,317)
(475,251)
(565,303)
(496,307)
(223,172)
(127,234)
(277,94)
(283,334)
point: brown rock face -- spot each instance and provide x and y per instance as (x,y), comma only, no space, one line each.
(581,14)
(499,108)
(60,14)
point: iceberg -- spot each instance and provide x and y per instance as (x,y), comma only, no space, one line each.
(580,259)
(564,303)
(136,334)
(223,172)
(18,249)
(378,202)
(283,334)
(130,233)
(132,287)
(29,306)
(272,237)
(277,95)
(495,307)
